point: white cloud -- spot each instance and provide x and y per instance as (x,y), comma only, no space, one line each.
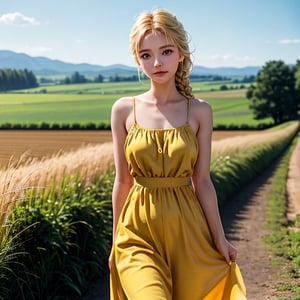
(17,19)
(289,41)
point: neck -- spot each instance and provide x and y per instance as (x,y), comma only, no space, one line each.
(164,93)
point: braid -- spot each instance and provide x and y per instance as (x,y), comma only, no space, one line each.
(182,78)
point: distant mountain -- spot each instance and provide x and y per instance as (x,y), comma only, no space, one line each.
(45,66)
(226,71)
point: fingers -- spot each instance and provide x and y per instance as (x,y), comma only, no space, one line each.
(232,255)
(228,260)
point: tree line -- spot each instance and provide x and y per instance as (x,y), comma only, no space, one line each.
(76,78)
(11,79)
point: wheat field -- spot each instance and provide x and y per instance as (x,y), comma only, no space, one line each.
(22,145)
(88,157)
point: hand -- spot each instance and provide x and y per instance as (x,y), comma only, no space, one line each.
(227,250)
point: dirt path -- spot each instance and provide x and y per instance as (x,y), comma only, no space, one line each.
(244,223)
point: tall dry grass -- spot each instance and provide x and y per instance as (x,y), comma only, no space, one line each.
(240,143)
(87,162)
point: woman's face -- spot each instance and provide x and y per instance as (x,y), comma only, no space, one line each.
(158,57)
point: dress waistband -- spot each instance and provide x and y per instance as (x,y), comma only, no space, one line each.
(152,182)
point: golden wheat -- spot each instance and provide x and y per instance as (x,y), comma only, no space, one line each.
(240,143)
(88,162)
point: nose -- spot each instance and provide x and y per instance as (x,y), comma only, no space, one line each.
(157,62)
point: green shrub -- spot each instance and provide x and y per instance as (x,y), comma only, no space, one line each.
(63,237)
(44,125)
(283,235)
(231,172)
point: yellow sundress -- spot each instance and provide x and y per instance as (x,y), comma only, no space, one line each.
(163,248)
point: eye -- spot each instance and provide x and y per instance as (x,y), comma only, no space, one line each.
(167,52)
(145,56)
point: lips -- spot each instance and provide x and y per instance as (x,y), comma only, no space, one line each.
(160,73)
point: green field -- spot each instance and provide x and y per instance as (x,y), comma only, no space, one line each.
(91,103)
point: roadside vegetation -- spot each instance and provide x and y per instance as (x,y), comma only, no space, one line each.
(283,236)
(55,224)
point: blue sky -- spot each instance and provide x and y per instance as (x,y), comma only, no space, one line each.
(234,33)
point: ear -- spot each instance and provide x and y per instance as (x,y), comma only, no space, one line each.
(181,58)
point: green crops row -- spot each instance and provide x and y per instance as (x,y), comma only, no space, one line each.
(106,126)
(230,172)
(56,242)
(55,126)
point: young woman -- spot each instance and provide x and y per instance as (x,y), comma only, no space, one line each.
(168,240)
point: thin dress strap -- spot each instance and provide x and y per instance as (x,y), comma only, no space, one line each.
(134,112)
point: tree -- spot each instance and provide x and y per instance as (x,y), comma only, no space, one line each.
(223,87)
(11,79)
(99,78)
(78,78)
(273,94)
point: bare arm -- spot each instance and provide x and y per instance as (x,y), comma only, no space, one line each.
(123,180)
(203,185)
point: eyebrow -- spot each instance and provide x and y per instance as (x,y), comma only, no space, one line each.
(161,48)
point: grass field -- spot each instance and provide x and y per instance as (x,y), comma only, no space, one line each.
(85,103)
(51,108)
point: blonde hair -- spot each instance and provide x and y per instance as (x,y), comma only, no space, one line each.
(162,21)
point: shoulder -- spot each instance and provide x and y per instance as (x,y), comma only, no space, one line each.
(201,109)
(200,105)
(122,108)
(122,104)
(121,114)
(200,116)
